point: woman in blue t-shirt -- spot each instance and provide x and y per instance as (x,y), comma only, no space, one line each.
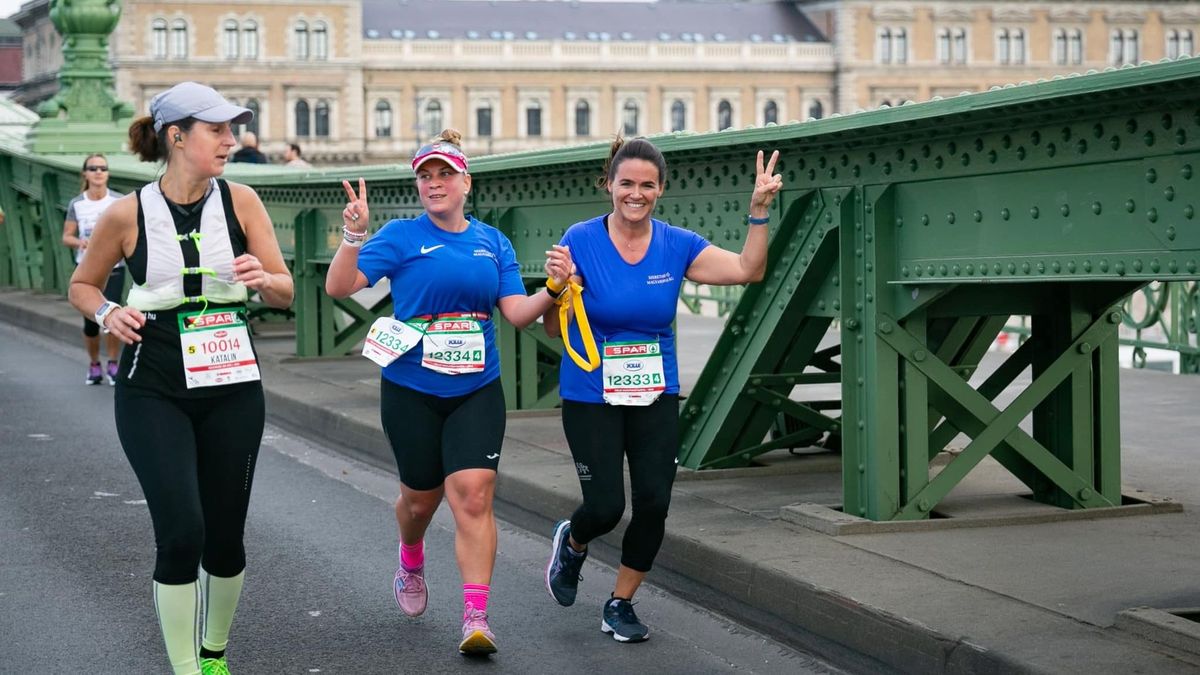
(632,267)
(442,405)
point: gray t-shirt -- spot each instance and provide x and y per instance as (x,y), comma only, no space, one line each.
(86,213)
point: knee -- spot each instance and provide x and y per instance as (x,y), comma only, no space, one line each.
(419,509)
(474,503)
(652,506)
(178,557)
(606,513)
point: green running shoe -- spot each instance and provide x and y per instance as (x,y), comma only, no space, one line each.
(214,666)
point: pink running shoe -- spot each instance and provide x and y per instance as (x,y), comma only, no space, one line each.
(478,638)
(411,594)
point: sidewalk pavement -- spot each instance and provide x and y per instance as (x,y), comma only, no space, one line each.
(1015,597)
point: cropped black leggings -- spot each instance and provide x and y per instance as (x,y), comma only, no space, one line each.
(601,437)
(195,461)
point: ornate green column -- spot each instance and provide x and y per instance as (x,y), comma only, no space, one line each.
(85,115)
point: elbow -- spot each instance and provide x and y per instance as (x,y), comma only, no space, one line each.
(757,275)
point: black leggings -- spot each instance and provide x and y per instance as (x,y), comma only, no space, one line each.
(601,436)
(195,461)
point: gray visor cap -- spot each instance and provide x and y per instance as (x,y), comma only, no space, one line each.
(192,99)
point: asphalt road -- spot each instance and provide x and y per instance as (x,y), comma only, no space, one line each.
(77,552)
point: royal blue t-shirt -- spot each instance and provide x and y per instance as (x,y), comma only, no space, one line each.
(626,302)
(433,271)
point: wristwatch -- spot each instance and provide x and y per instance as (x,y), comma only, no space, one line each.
(103,311)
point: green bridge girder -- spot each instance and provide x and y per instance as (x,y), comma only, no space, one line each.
(917,232)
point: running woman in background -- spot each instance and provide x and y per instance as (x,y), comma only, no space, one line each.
(189,400)
(82,214)
(631,266)
(442,405)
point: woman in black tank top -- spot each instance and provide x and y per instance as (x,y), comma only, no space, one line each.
(189,404)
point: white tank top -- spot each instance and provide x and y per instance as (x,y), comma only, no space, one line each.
(163,288)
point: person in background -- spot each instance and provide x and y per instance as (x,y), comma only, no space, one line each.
(249,152)
(189,402)
(442,404)
(631,266)
(82,214)
(291,157)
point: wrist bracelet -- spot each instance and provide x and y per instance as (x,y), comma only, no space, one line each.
(353,243)
(751,220)
(550,286)
(351,234)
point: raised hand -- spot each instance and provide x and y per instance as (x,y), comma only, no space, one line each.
(766,184)
(356,215)
(558,264)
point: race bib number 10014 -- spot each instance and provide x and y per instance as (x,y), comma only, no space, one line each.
(216,349)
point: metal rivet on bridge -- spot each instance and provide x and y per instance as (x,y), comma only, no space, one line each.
(929,270)
(956,270)
(970,269)
(1081,146)
(983,269)
(1148,139)
(869,237)
(1065,210)
(1154,266)
(1152,215)
(1041,267)
(899,221)
(950,217)
(925,219)
(1188,212)
(1173,266)
(820,304)
(1191,266)
(919,270)
(1085,493)
(1057,267)
(1119,267)
(1034,212)
(1114,317)
(836,304)
(1025,268)
(996,268)
(885,327)
(1071,266)
(942,270)
(1012,268)
(1130,205)
(923,505)
(1151,175)
(978,216)
(918,355)
(1186,171)
(1087,265)
(1169,193)
(1004,214)
(1137,265)
(870,267)
(904,271)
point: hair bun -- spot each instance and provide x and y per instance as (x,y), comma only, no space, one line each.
(453,136)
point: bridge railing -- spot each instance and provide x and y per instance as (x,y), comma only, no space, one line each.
(920,230)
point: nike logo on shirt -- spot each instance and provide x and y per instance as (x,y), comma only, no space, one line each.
(430,249)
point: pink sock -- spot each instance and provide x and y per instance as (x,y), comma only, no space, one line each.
(475,595)
(412,556)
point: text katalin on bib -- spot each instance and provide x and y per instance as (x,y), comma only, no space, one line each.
(216,349)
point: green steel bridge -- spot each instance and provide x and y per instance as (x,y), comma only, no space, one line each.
(915,233)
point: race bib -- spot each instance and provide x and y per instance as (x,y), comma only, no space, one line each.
(633,373)
(453,345)
(389,339)
(216,349)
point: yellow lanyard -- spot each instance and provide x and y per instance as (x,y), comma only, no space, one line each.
(572,297)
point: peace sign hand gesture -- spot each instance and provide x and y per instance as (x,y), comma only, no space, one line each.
(766,185)
(356,215)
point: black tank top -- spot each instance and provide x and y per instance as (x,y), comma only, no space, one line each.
(156,363)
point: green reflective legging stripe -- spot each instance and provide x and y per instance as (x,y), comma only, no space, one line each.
(178,610)
(220,603)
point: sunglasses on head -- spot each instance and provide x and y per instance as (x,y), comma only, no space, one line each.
(93,167)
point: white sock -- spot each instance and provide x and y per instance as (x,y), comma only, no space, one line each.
(220,602)
(178,610)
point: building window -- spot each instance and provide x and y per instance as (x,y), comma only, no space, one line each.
(533,119)
(952,46)
(1068,46)
(320,36)
(892,46)
(629,117)
(301,33)
(1179,43)
(383,119)
(302,128)
(231,39)
(583,119)
(253,106)
(1123,47)
(321,119)
(1010,46)
(771,113)
(816,110)
(433,117)
(678,116)
(483,120)
(159,29)
(250,40)
(179,39)
(724,115)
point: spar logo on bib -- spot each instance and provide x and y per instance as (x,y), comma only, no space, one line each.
(213,320)
(644,349)
(447,326)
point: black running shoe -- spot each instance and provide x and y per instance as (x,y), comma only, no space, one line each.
(622,622)
(563,572)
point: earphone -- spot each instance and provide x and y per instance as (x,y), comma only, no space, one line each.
(178,138)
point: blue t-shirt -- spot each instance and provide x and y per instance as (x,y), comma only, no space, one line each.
(433,271)
(626,302)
